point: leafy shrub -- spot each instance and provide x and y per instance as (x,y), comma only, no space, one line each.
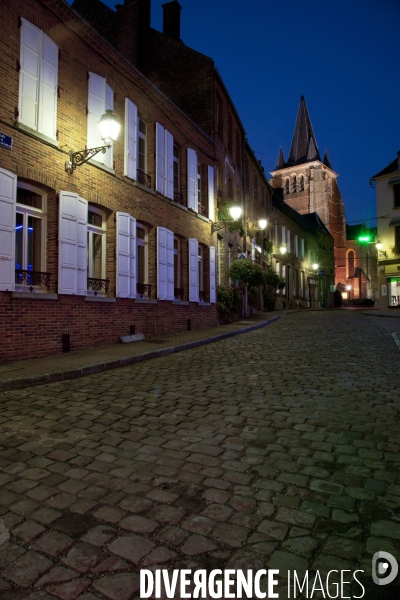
(269,299)
(246,271)
(229,300)
(253,296)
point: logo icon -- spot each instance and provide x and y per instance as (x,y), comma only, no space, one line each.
(381,561)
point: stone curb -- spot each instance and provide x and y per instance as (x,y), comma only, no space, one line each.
(14,384)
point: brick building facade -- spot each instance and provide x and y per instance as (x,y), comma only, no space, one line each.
(124,242)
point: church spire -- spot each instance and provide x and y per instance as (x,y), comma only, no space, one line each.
(327,160)
(280,163)
(304,146)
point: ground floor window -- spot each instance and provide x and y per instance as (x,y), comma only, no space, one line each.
(96,240)
(394,291)
(30,236)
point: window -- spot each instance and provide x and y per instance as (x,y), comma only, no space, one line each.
(350,263)
(141,254)
(294,184)
(142,147)
(178,292)
(296,246)
(302,248)
(396,196)
(177,186)
(218,265)
(38,81)
(200,207)
(201,272)
(30,236)
(277,267)
(283,235)
(288,240)
(100,99)
(284,277)
(164,162)
(96,248)
(301,184)
(192,175)
(287,185)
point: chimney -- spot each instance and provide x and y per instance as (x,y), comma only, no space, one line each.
(133,18)
(172,19)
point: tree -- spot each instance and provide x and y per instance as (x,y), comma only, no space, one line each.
(248,272)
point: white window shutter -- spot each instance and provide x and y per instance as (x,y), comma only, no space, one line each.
(211,204)
(192,179)
(48,88)
(169,165)
(193,270)
(126,255)
(170,265)
(160,158)
(109,105)
(72,275)
(253,250)
(213,295)
(8,198)
(162,263)
(96,108)
(81,254)
(130,149)
(29,74)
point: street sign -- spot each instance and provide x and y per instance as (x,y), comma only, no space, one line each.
(5,141)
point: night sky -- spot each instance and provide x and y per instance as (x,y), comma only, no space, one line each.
(342,55)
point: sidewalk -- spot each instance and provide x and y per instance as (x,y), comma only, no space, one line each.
(78,363)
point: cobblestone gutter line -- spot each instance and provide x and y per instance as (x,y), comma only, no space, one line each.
(12,384)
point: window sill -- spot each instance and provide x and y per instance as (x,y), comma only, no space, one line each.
(98,299)
(206,219)
(181,302)
(143,187)
(34,295)
(144,301)
(101,166)
(35,134)
(204,303)
(179,206)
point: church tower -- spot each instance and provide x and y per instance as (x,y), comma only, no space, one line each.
(309,185)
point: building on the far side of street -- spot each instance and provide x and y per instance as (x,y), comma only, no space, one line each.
(303,254)
(310,185)
(387,183)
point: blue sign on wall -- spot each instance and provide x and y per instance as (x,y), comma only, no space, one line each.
(5,141)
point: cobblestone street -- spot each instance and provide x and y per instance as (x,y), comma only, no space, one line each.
(278,448)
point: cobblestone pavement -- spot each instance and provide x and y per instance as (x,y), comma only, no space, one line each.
(278,448)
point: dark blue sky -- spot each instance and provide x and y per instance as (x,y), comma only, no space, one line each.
(342,55)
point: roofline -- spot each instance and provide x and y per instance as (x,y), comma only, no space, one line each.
(311,162)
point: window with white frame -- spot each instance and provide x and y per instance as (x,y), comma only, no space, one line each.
(302,248)
(96,245)
(288,240)
(30,235)
(284,277)
(164,162)
(100,99)
(141,254)
(142,146)
(177,269)
(277,267)
(201,271)
(192,180)
(177,173)
(37,105)
(283,235)
(165,264)
(296,246)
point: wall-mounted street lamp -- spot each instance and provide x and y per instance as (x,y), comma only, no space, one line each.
(234,211)
(109,130)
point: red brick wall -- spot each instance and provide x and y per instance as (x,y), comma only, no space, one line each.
(34,327)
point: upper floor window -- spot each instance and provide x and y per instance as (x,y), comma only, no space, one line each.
(177,186)
(287,185)
(30,236)
(294,184)
(142,146)
(296,246)
(38,80)
(396,196)
(301,184)
(96,244)
(100,99)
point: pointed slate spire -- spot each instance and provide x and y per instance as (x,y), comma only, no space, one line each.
(280,163)
(304,146)
(327,160)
